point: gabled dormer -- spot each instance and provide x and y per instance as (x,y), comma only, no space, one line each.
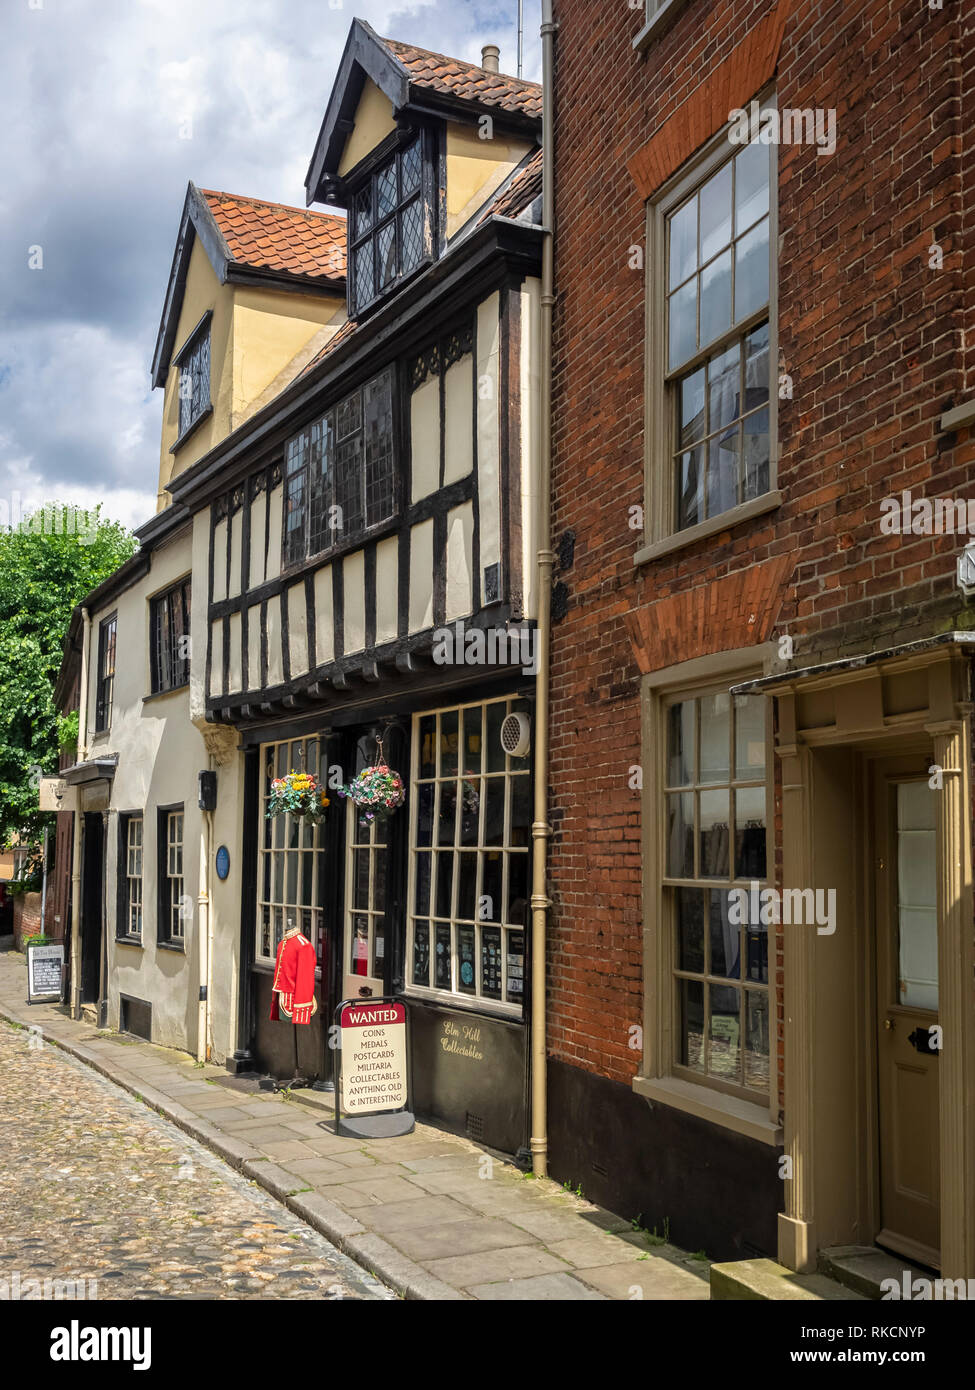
(255,291)
(414,145)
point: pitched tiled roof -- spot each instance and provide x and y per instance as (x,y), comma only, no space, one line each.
(467,81)
(270,236)
(520,193)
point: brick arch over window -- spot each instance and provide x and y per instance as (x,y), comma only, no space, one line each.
(726,615)
(731,85)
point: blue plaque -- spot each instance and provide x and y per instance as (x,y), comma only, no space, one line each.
(223,862)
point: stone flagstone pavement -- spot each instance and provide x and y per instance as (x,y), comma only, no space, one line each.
(430,1214)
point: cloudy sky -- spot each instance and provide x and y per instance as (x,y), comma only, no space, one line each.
(97,99)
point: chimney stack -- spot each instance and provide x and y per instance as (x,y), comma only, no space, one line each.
(490,54)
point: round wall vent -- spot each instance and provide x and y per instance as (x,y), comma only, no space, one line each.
(516,735)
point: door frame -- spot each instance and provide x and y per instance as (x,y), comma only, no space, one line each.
(92,908)
(879,707)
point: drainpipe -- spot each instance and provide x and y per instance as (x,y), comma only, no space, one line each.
(205,934)
(541,829)
(76,843)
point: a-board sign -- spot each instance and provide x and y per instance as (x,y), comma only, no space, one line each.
(374,1066)
(45,968)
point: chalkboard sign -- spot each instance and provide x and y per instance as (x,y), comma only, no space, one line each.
(45,967)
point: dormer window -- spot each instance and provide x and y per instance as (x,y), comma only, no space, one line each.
(389,225)
(193,363)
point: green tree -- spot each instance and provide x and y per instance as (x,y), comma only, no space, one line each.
(48,563)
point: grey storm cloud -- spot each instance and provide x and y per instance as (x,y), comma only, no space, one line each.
(108,108)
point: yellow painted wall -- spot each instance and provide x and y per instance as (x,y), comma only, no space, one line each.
(476,168)
(259,340)
(373,121)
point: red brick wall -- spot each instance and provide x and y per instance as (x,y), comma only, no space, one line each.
(873,340)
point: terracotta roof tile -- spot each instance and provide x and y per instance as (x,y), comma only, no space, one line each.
(467,80)
(520,193)
(271,236)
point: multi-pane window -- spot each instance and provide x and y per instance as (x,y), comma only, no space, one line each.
(715,797)
(194,378)
(130,903)
(169,645)
(388,226)
(365,893)
(339,474)
(716,338)
(289,888)
(106,673)
(172,899)
(469,860)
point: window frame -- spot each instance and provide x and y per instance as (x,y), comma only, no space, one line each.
(660,1076)
(183,587)
(346,539)
(454,998)
(660,533)
(105,680)
(123,918)
(182,361)
(314,926)
(427,140)
(167,903)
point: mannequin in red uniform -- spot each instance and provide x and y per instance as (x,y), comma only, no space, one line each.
(294,979)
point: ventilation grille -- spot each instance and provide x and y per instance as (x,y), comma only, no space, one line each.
(474,1126)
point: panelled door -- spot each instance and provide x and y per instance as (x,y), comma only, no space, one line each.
(907,1008)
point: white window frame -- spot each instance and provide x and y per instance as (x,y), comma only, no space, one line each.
(174,873)
(661,1079)
(660,535)
(283,913)
(134,862)
(454,996)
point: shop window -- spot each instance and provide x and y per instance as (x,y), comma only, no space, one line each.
(470,858)
(169,634)
(107,632)
(712,412)
(174,906)
(289,885)
(129,920)
(716,838)
(340,479)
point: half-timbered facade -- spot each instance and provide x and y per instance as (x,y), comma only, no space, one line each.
(364,554)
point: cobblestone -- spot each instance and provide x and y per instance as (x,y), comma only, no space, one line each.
(97,1187)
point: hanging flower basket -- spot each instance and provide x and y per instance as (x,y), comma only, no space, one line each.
(298,794)
(377,792)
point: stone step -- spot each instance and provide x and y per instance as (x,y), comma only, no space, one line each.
(766,1279)
(864,1268)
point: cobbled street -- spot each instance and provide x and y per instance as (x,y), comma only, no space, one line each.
(97,1187)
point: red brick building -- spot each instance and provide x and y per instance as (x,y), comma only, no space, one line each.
(764,381)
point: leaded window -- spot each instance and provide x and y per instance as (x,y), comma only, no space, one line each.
(106,673)
(388,226)
(169,632)
(194,378)
(340,477)
(716,827)
(470,858)
(290,886)
(716,337)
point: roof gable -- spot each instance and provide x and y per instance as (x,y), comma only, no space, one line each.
(253,241)
(411,78)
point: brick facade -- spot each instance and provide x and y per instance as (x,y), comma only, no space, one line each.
(871,335)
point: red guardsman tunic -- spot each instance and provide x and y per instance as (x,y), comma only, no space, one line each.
(294,979)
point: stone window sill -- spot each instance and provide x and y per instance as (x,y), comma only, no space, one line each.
(715,524)
(742,1116)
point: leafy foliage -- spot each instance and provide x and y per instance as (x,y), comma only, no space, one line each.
(48,564)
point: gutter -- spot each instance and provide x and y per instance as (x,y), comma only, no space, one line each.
(541,830)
